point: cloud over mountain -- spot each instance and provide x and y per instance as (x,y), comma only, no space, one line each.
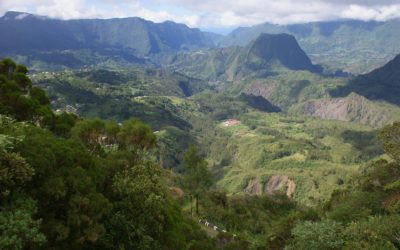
(211,13)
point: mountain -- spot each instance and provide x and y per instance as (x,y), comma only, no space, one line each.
(258,58)
(24,33)
(370,99)
(381,84)
(283,48)
(349,45)
(275,70)
(352,108)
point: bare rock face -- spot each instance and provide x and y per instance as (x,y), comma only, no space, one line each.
(276,184)
(291,188)
(354,108)
(176,192)
(280,183)
(254,187)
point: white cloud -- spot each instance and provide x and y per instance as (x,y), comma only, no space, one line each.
(380,13)
(212,13)
(65,9)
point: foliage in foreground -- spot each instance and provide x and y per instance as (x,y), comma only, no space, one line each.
(83,184)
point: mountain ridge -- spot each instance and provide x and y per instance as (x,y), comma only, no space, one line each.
(142,36)
(381,84)
(349,45)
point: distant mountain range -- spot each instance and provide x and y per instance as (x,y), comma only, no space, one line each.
(23,32)
(349,45)
(41,42)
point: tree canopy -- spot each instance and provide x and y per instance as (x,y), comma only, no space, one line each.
(74,183)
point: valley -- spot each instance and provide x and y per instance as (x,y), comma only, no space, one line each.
(275,130)
(246,130)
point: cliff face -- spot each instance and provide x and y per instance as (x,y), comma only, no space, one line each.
(281,48)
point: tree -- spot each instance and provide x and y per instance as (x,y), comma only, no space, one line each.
(18,228)
(63,123)
(326,234)
(91,133)
(377,232)
(135,135)
(137,139)
(138,218)
(19,99)
(66,186)
(389,136)
(14,169)
(14,172)
(7,67)
(197,177)
(22,81)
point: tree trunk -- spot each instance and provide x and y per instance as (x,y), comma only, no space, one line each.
(197,204)
(191,205)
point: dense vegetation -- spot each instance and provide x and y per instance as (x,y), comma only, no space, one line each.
(363,215)
(69,183)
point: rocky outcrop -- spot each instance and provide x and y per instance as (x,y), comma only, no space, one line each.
(280,183)
(276,184)
(254,187)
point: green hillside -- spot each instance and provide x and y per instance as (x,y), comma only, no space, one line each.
(119,94)
(319,156)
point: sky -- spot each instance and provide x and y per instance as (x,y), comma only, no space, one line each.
(214,15)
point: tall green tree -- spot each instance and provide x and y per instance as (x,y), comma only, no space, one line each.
(18,228)
(91,132)
(19,99)
(197,177)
